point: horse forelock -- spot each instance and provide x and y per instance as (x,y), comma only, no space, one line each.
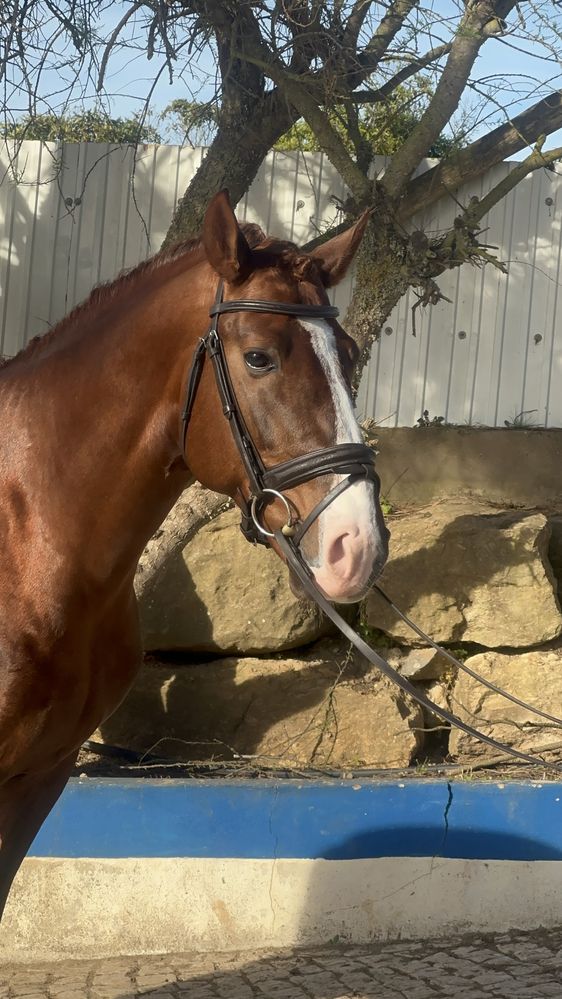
(287,258)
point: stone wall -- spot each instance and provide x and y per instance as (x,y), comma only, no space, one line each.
(521,468)
(241,669)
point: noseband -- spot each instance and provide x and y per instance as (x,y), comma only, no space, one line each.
(353,461)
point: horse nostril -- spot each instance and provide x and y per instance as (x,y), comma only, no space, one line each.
(340,548)
(336,551)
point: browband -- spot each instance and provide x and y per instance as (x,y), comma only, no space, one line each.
(281,308)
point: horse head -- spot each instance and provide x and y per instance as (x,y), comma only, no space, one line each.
(288,379)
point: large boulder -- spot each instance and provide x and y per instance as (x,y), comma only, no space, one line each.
(274,712)
(535,677)
(220,594)
(467,573)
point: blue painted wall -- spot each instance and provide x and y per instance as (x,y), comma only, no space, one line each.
(335,820)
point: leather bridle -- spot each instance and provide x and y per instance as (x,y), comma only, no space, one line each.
(355,462)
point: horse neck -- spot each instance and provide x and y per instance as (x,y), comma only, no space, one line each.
(107,463)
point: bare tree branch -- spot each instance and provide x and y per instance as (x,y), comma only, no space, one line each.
(543,118)
(479,22)
(113,39)
(332,144)
(385,34)
(416,66)
(479,207)
(298,93)
(355,22)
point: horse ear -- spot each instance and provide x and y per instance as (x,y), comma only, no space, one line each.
(225,245)
(335,256)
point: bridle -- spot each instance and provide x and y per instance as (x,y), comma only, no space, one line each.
(355,462)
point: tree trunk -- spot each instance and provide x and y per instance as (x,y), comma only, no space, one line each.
(232,161)
(381,279)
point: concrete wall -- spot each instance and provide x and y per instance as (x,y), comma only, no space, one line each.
(132,867)
(510,467)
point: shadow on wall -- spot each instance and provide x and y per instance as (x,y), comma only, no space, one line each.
(513,468)
(72,220)
(20,216)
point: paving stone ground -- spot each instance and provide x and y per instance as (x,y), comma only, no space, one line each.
(508,966)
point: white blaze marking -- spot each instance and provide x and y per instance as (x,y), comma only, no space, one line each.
(355,506)
(324,346)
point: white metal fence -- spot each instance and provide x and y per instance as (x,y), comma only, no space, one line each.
(75,215)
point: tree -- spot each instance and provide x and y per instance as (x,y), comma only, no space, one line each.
(384,126)
(338,65)
(85,126)
(190,122)
(324,62)
(344,67)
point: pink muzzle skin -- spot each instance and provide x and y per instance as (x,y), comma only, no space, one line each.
(351,563)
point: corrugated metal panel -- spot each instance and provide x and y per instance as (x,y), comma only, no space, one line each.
(74,215)
(495,352)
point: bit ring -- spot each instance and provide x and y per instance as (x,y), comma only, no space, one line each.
(287,528)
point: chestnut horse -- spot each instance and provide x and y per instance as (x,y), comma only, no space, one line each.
(93,459)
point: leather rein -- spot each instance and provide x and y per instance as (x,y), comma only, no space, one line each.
(355,462)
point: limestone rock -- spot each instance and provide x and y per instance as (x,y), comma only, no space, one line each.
(466,572)
(286,713)
(535,677)
(419,663)
(221,594)
(440,694)
(195,507)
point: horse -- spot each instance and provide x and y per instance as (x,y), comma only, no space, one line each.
(94,455)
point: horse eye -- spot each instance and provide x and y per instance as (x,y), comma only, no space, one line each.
(256,360)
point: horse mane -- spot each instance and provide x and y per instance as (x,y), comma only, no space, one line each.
(102,293)
(270,252)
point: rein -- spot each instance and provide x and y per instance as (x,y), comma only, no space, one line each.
(355,462)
